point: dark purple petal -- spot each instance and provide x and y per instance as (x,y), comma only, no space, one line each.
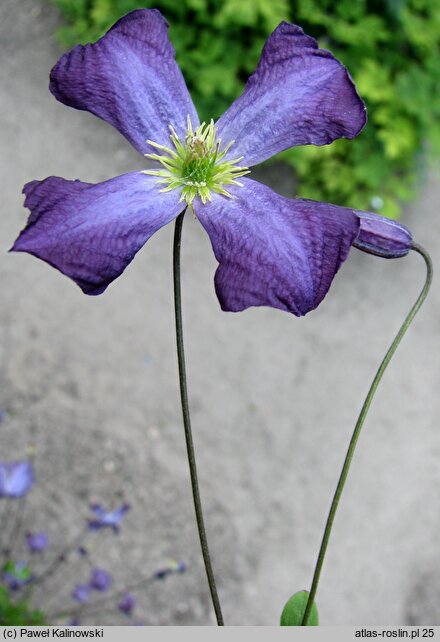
(81,593)
(275,251)
(16,478)
(100,580)
(99,511)
(92,232)
(107,518)
(298,95)
(37,542)
(130,79)
(127,603)
(382,236)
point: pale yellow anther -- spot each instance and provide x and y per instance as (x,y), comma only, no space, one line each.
(196,165)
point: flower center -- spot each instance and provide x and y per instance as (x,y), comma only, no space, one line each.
(196,165)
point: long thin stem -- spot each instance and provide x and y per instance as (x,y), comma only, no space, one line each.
(187,421)
(351,448)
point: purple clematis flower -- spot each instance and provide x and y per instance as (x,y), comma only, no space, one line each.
(37,542)
(16,478)
(100,580)
(105,518)
(271,250)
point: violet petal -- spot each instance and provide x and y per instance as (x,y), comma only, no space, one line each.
(298,95)
(105,518)
(16,478)
(275,251)
(382,236)
(130,79)
(92,232)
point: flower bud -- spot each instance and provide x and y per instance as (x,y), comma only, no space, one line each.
(382,236)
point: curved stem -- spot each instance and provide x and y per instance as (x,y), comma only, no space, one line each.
(187,421)
(359,423)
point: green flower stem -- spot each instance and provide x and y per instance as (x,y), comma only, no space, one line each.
(187,420)
(351,448)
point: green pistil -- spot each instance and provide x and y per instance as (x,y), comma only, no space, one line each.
(196,165)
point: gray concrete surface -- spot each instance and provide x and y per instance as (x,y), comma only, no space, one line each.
(93,382)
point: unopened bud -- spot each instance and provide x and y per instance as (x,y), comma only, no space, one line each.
(382,236)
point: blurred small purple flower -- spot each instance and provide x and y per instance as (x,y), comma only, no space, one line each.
(75,621)
(16,478)
(82,551)
(127,604)
(100,580)
(37,542)
(81,593)
(105,518)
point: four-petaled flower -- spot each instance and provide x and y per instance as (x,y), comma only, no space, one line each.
(16,478)
(271,250)
(105,518)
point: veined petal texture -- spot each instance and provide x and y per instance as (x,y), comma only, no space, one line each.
(298,95)
(92,232)
(275,251)
(130,79)
(382,236)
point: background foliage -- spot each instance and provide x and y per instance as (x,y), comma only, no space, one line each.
(391,48)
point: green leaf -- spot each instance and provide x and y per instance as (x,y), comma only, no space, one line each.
(293,612)
(249,12)
(18,613)
(23,573)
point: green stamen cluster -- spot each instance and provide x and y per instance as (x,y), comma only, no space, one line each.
(196,165)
